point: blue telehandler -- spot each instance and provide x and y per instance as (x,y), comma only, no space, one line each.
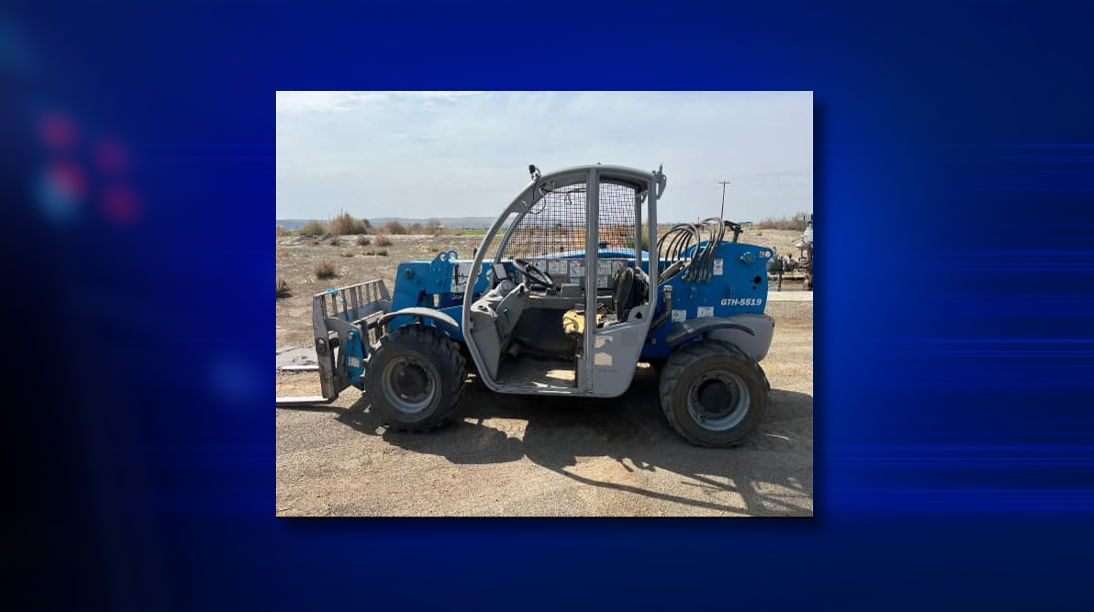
(564,297)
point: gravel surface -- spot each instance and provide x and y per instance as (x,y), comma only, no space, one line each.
(513,455)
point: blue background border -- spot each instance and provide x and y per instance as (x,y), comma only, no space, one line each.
(954,150)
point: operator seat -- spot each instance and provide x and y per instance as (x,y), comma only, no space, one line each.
(622,292)
(629,289)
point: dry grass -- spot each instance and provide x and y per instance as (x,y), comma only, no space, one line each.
(384,241)
(344,224)
(334,241)
(283,290)
(363,241)
(282,232)
(432,227)
(313,228)
(347,254)
(395,228)
(797,222)
(325,269)
(382,252)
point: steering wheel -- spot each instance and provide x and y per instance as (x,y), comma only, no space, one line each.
(534,274)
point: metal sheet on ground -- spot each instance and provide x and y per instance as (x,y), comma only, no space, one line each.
(296,356)
(789,296)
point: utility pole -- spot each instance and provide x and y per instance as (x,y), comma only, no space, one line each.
(722,215)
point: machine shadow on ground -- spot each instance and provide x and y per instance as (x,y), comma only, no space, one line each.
(631,430)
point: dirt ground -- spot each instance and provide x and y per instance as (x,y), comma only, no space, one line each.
(526,456)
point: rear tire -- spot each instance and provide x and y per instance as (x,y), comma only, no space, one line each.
(415,378)
(713,394)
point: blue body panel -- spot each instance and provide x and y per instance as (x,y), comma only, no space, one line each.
(431,284)
(738,286)
(602,253)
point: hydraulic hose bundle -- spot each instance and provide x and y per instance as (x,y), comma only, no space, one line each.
(692,248)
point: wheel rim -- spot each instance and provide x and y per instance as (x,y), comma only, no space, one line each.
(409,384)
(718,400)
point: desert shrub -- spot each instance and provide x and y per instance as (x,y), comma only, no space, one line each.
(325,269)
(347,254)
(433,227)
(345,224)
(415,228)
(334,241)
(796,222)
(313,228)
(283,290)
(282,232)
(395,228)
(370,252)
(626,236)
(363,241)
(382,252)
(384,241)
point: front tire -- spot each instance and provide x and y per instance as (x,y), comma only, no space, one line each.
(712,394)
(415,378)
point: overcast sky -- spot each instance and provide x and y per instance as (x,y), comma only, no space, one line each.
(456,154)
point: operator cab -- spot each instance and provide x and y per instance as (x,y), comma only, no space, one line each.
(531,328)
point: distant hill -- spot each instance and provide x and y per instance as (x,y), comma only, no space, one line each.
(462,222)
(292,224)
(453,222)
